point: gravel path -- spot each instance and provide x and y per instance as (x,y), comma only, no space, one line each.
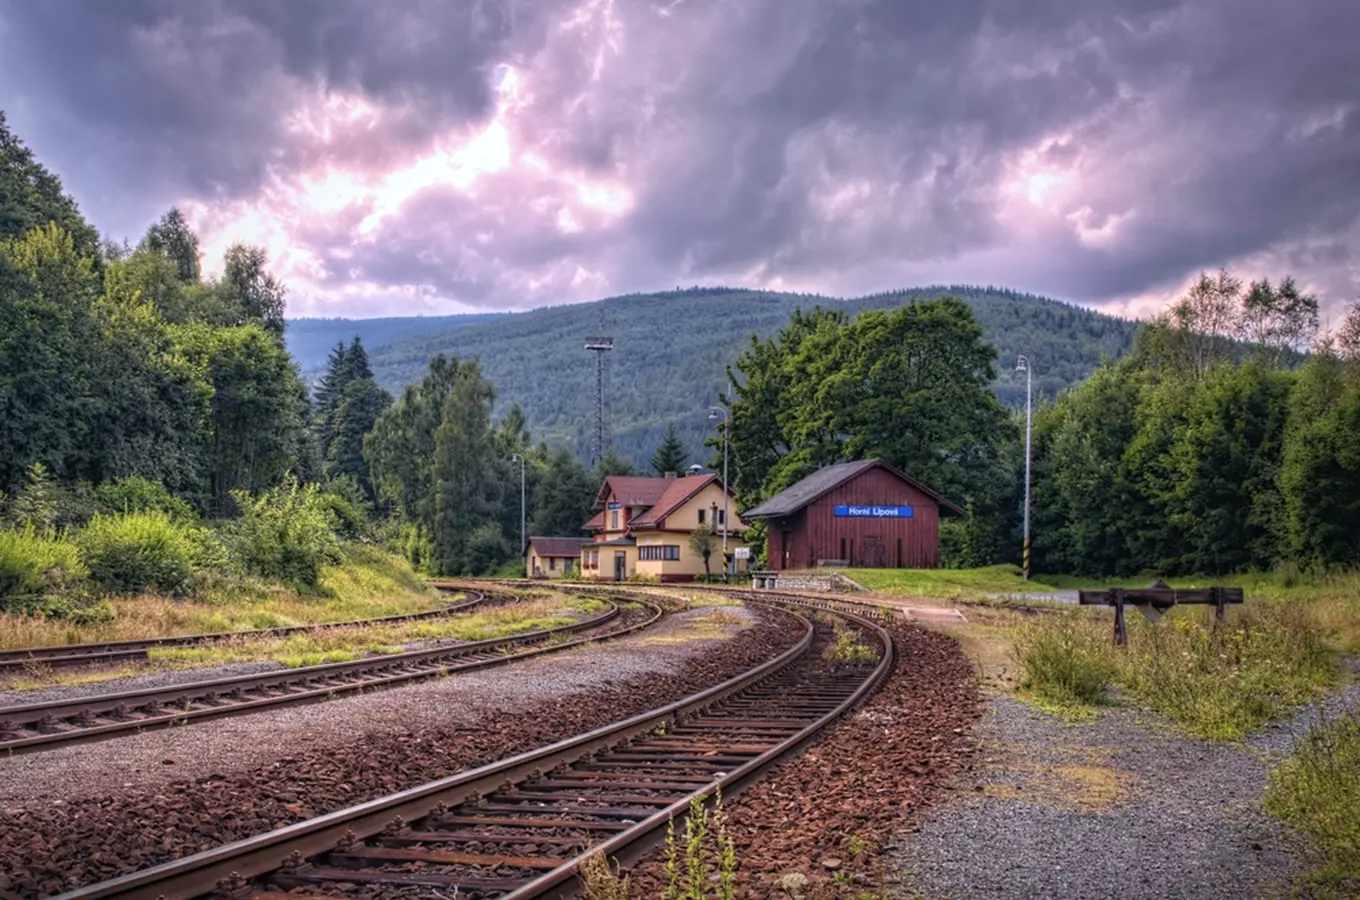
(243,743)
(1126,806)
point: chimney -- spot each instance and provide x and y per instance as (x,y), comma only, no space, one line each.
(670,476)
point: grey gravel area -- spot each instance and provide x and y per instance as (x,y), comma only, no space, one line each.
(133,683)
(1123,807)
(244,743)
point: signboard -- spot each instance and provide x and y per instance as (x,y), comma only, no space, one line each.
(741,553)
(875,512)
(614,504)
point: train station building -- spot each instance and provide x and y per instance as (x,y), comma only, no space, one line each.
(866,514)
(644,527)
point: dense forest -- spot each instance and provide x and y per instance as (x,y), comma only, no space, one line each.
(1195,455)
(310,340)
(672,350)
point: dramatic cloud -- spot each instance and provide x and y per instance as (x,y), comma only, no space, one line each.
(436,156)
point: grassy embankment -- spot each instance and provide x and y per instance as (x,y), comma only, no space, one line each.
(369,584)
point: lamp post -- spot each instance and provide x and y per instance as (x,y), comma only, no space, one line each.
(523,538)
(727,428)
(1022,365)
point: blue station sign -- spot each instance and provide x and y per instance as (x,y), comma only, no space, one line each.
(614,504)
(875,512)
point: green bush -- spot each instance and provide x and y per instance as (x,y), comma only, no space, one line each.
(287,532)
(135,494)
(35,569)
(350,520)
(136,552)
(1066,661)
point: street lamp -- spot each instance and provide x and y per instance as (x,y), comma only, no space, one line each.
(726,420)
(1022,365)
(523,538)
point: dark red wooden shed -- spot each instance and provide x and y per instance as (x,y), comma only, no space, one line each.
(866,513)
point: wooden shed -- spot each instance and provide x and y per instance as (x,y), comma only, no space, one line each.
(865,514)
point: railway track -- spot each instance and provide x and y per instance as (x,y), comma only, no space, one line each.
(521,827)
(67,655)
(41,726)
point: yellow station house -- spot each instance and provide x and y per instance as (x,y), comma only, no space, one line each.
(644,527)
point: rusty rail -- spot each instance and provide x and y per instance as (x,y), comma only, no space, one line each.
(40,726)
(521,827)
(66,655)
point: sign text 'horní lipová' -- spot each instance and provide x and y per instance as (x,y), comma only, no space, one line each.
(875,512)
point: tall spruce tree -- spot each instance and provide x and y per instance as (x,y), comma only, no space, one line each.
(467,495)
(670,456)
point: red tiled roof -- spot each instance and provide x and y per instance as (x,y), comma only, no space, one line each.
(558,546)
(677,492)
(632,490)
(596,523)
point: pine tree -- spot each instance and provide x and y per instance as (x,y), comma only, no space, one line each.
(670,456)
(359,408)
(466,493)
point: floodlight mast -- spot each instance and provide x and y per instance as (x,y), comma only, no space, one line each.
(599,344)
(1022,365)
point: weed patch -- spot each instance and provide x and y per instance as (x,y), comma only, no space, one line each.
(1267,659)
(1317,790)
(1068,662)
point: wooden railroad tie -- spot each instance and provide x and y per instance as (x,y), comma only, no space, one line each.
(1156,599)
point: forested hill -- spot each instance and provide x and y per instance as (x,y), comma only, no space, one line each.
(671,349)
(310,341)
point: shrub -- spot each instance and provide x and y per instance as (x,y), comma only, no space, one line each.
(285,532)
(35,569)
(1066,661)
(136,552)
(350,520)
(135,494)
(345,499)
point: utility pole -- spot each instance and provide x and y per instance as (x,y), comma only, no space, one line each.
(523,536)
(1022,365)
(727,439)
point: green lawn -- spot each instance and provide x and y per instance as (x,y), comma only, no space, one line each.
(945,584)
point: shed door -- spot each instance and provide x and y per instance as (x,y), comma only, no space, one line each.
(872,553)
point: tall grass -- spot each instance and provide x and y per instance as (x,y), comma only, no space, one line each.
(1267,659)
(1317,790)
(1067,661)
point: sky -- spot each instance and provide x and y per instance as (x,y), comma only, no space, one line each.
(444,156)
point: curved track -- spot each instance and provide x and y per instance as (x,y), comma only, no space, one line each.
(66,655)
(41,726)
(520,828)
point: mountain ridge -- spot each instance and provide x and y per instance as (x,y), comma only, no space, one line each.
(672,347)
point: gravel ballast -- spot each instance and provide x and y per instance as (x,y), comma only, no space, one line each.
(86,813)
(1125,806)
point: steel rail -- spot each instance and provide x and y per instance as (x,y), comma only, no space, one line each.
(41,726)
(814,601)
(282,853)
(64,655)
